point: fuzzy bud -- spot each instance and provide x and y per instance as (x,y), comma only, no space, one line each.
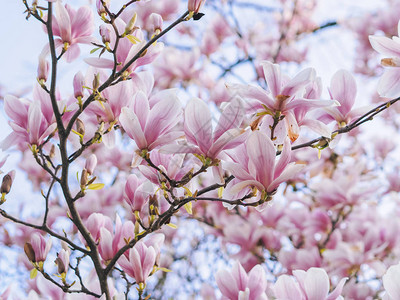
(100,7)
(130,27)
(42,70)
(80,126)
(30,253)
(6,185)
(157,22)
(78,83)
(91,163)
(84,178)
(105,33)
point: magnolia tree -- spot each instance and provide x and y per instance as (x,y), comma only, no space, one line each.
(193,155)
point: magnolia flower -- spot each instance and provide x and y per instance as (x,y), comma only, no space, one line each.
(237,284)
(139,262)
(283,97)
(310,285)
(151,128)
(73,27)
(344,90)
(37,249)
(388,84)
(254,165)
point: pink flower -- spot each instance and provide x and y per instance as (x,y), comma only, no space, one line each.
(284,96)
(139,261)
(73,27)
(391,282)
(137,193)
(40,247)
(388,84)
(310,285)
(203,140)
(344,90)
(254,165)
(151,128)
(237,284)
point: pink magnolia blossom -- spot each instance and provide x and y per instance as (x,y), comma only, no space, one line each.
(203,140)
(254,165)
(344,90)
(310,285)
(151,128)
(283,97)
(237,284)
(73,27)
(388,84)
(137,193)
(40,247)
(139,261)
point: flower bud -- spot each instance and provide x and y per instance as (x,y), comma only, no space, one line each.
(6,185)
(157,22)
(80,126)
(78,83)
(130,27)
(42,70)
(84,178)
(96,81)
(105,33)
(29,252)
(100,7)
(91,163)
(195,5)
(62,261)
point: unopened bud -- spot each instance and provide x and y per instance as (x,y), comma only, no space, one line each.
(42,70)
(130,27)
(6,185)
(157,22)
(80,126)
(52,152)
(100,7)
(153,205)
(29,252)
(78,83)
(195,5)
(96,81)
(91,163)
(84,178)
(60,265)
(105,33)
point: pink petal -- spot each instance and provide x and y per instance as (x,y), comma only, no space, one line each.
(261,152)
(231,117)
(343,89)
(257,282)
(317,126)
(272,74)
(391,281)
(99,62)
(251,92)
(337,291)
(385,45)
(286,288)
(290,171)
(284,158)
(64,22)
(162,117)
(316,284)
(198,123)
(223,141)
(227,284)
(388,85)
(298,82)
(130,122)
